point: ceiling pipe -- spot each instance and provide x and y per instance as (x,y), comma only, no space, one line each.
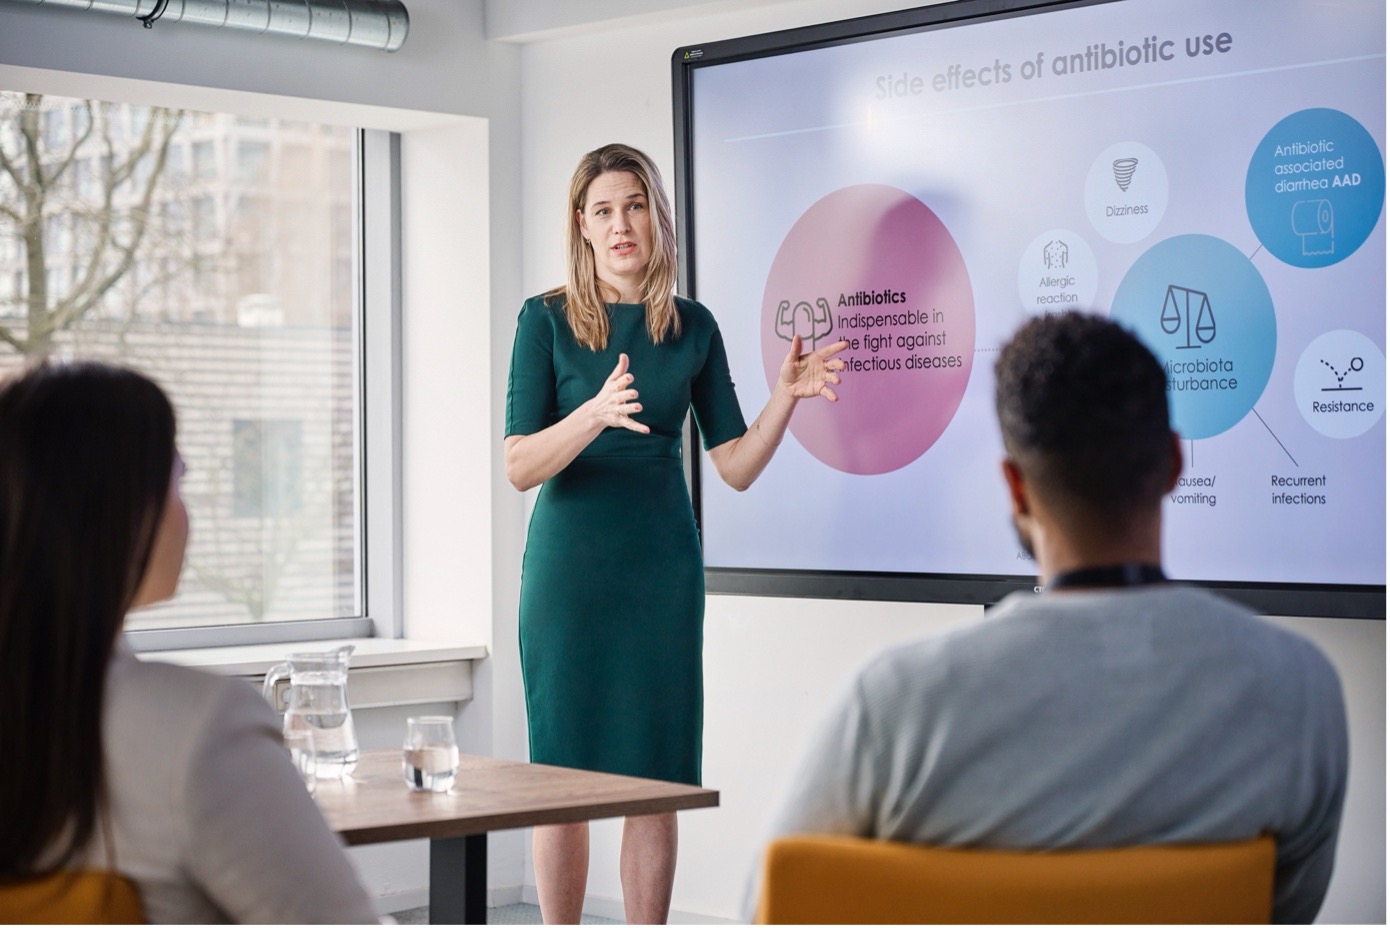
(381,24)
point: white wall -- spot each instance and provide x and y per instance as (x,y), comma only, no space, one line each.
(771,665)
(455,99)
(475,250)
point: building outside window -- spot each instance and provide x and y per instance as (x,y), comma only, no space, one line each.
(219,255)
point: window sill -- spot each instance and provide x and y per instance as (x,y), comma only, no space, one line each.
(383,671)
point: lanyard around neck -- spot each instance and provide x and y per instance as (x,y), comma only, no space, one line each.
(1131,574)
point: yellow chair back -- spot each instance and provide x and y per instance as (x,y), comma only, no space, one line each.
(834,880)
(94,897)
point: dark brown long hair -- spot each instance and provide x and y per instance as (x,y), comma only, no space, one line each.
(86,457)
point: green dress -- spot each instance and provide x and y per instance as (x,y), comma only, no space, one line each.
(612,584)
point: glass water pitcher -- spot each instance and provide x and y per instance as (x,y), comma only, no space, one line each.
(317,699)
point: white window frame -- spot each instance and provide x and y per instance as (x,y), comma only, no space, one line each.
(378,480)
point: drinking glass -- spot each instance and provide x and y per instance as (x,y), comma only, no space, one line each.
(300,743)
(431,754)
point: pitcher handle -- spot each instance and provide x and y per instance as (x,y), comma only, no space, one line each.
(273,676)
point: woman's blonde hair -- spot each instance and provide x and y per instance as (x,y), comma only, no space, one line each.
(584,304)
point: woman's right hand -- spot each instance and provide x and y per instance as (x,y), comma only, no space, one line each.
(616,401)
(535,458)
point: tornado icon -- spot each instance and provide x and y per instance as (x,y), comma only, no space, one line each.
(1124,171)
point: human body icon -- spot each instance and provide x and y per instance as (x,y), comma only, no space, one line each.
(808,321)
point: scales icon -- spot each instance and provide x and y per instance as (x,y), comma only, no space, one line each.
(1190,311)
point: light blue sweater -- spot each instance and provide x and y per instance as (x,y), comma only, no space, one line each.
(1147,715)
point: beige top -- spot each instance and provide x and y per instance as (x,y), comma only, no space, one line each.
(209,817)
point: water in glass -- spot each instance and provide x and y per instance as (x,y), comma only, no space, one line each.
(431,755)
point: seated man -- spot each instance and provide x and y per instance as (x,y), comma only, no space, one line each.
(1115,708)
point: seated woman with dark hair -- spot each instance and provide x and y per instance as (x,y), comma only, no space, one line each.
(173,778)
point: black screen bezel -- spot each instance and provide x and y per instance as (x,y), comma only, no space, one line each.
(1288,599)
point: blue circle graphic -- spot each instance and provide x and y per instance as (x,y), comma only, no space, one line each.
(1203,309)
(1315,187)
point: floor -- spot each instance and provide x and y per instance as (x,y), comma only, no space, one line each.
(519,914)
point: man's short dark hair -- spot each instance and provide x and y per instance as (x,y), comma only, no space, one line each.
(1083,407)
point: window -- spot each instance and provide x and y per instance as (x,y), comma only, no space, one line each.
(55,128)
(176,163)
(267,467)
(239,289)
(205,219)
(57,234)
(205,160)
(84,179)
(251,157)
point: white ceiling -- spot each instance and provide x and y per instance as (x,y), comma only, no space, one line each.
(534,20)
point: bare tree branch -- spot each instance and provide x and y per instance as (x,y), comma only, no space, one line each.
(94,284)
(8,337)
(29,126)
(9,167)
(77,144)
(5,159)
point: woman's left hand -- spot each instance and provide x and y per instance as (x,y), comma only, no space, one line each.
(811,374)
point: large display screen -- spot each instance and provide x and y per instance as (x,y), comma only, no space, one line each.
(1210,173)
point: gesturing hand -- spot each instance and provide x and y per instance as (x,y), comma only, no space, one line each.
(805,375)
(614,404)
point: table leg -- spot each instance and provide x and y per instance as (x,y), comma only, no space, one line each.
(458,880)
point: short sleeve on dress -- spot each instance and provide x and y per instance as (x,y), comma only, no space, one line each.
(712,396)
(531,382)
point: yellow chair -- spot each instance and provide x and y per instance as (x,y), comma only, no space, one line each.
(834,880)
(93,897)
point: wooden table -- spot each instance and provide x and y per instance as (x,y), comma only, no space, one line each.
(375,805)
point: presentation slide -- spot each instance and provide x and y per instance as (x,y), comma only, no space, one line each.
(1210,173)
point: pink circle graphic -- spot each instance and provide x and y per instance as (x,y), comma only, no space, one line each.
(874,265)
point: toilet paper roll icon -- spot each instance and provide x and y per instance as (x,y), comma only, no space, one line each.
(1312,223)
